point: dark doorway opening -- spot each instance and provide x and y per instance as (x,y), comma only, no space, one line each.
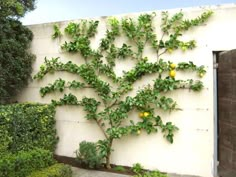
(226,112)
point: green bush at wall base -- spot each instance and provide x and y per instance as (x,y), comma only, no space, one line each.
(87,155)
(57,170)
(22,163)
(29,126)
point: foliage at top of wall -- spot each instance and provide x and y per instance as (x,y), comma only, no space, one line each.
(113,99)
(28,126)
(15,8)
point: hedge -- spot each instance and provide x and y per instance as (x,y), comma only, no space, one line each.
(57,170)
(23,163)
(5,140)
(29,126)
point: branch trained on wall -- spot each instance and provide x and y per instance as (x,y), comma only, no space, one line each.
(116,104)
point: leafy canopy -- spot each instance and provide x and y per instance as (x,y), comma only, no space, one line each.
(15,58)
(15,8)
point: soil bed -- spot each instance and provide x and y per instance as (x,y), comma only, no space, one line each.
(71,161)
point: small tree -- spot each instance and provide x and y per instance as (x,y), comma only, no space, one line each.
(116,103)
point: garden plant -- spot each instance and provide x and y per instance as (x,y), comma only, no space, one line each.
(28,141)
(110,109)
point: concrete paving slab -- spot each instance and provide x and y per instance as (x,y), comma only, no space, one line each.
(78,172)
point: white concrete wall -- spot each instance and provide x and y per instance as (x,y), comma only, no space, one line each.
(192,152)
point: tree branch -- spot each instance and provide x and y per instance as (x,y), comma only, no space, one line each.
(161,53)
(99,123)
(113,104)
(159,45)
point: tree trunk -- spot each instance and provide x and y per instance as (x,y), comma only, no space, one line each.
(108,163)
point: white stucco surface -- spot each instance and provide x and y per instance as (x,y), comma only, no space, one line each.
(193,150)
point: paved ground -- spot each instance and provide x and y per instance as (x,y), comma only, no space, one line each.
(77,172)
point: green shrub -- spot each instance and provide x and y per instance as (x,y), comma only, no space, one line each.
(137,168)
(24,163)
(57,170)
(29,126)
(152,174)
(88,155)
(119,168)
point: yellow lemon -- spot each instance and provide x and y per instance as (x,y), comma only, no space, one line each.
(141,115)
(145,114)
(145,59)
(184,48)
(170,50)
(138,132)
(201,74)
(173,66)
(172,73)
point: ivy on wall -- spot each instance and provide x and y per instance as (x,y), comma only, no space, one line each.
(101,61)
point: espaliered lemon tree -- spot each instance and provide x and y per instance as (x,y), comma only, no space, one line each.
(115,103)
